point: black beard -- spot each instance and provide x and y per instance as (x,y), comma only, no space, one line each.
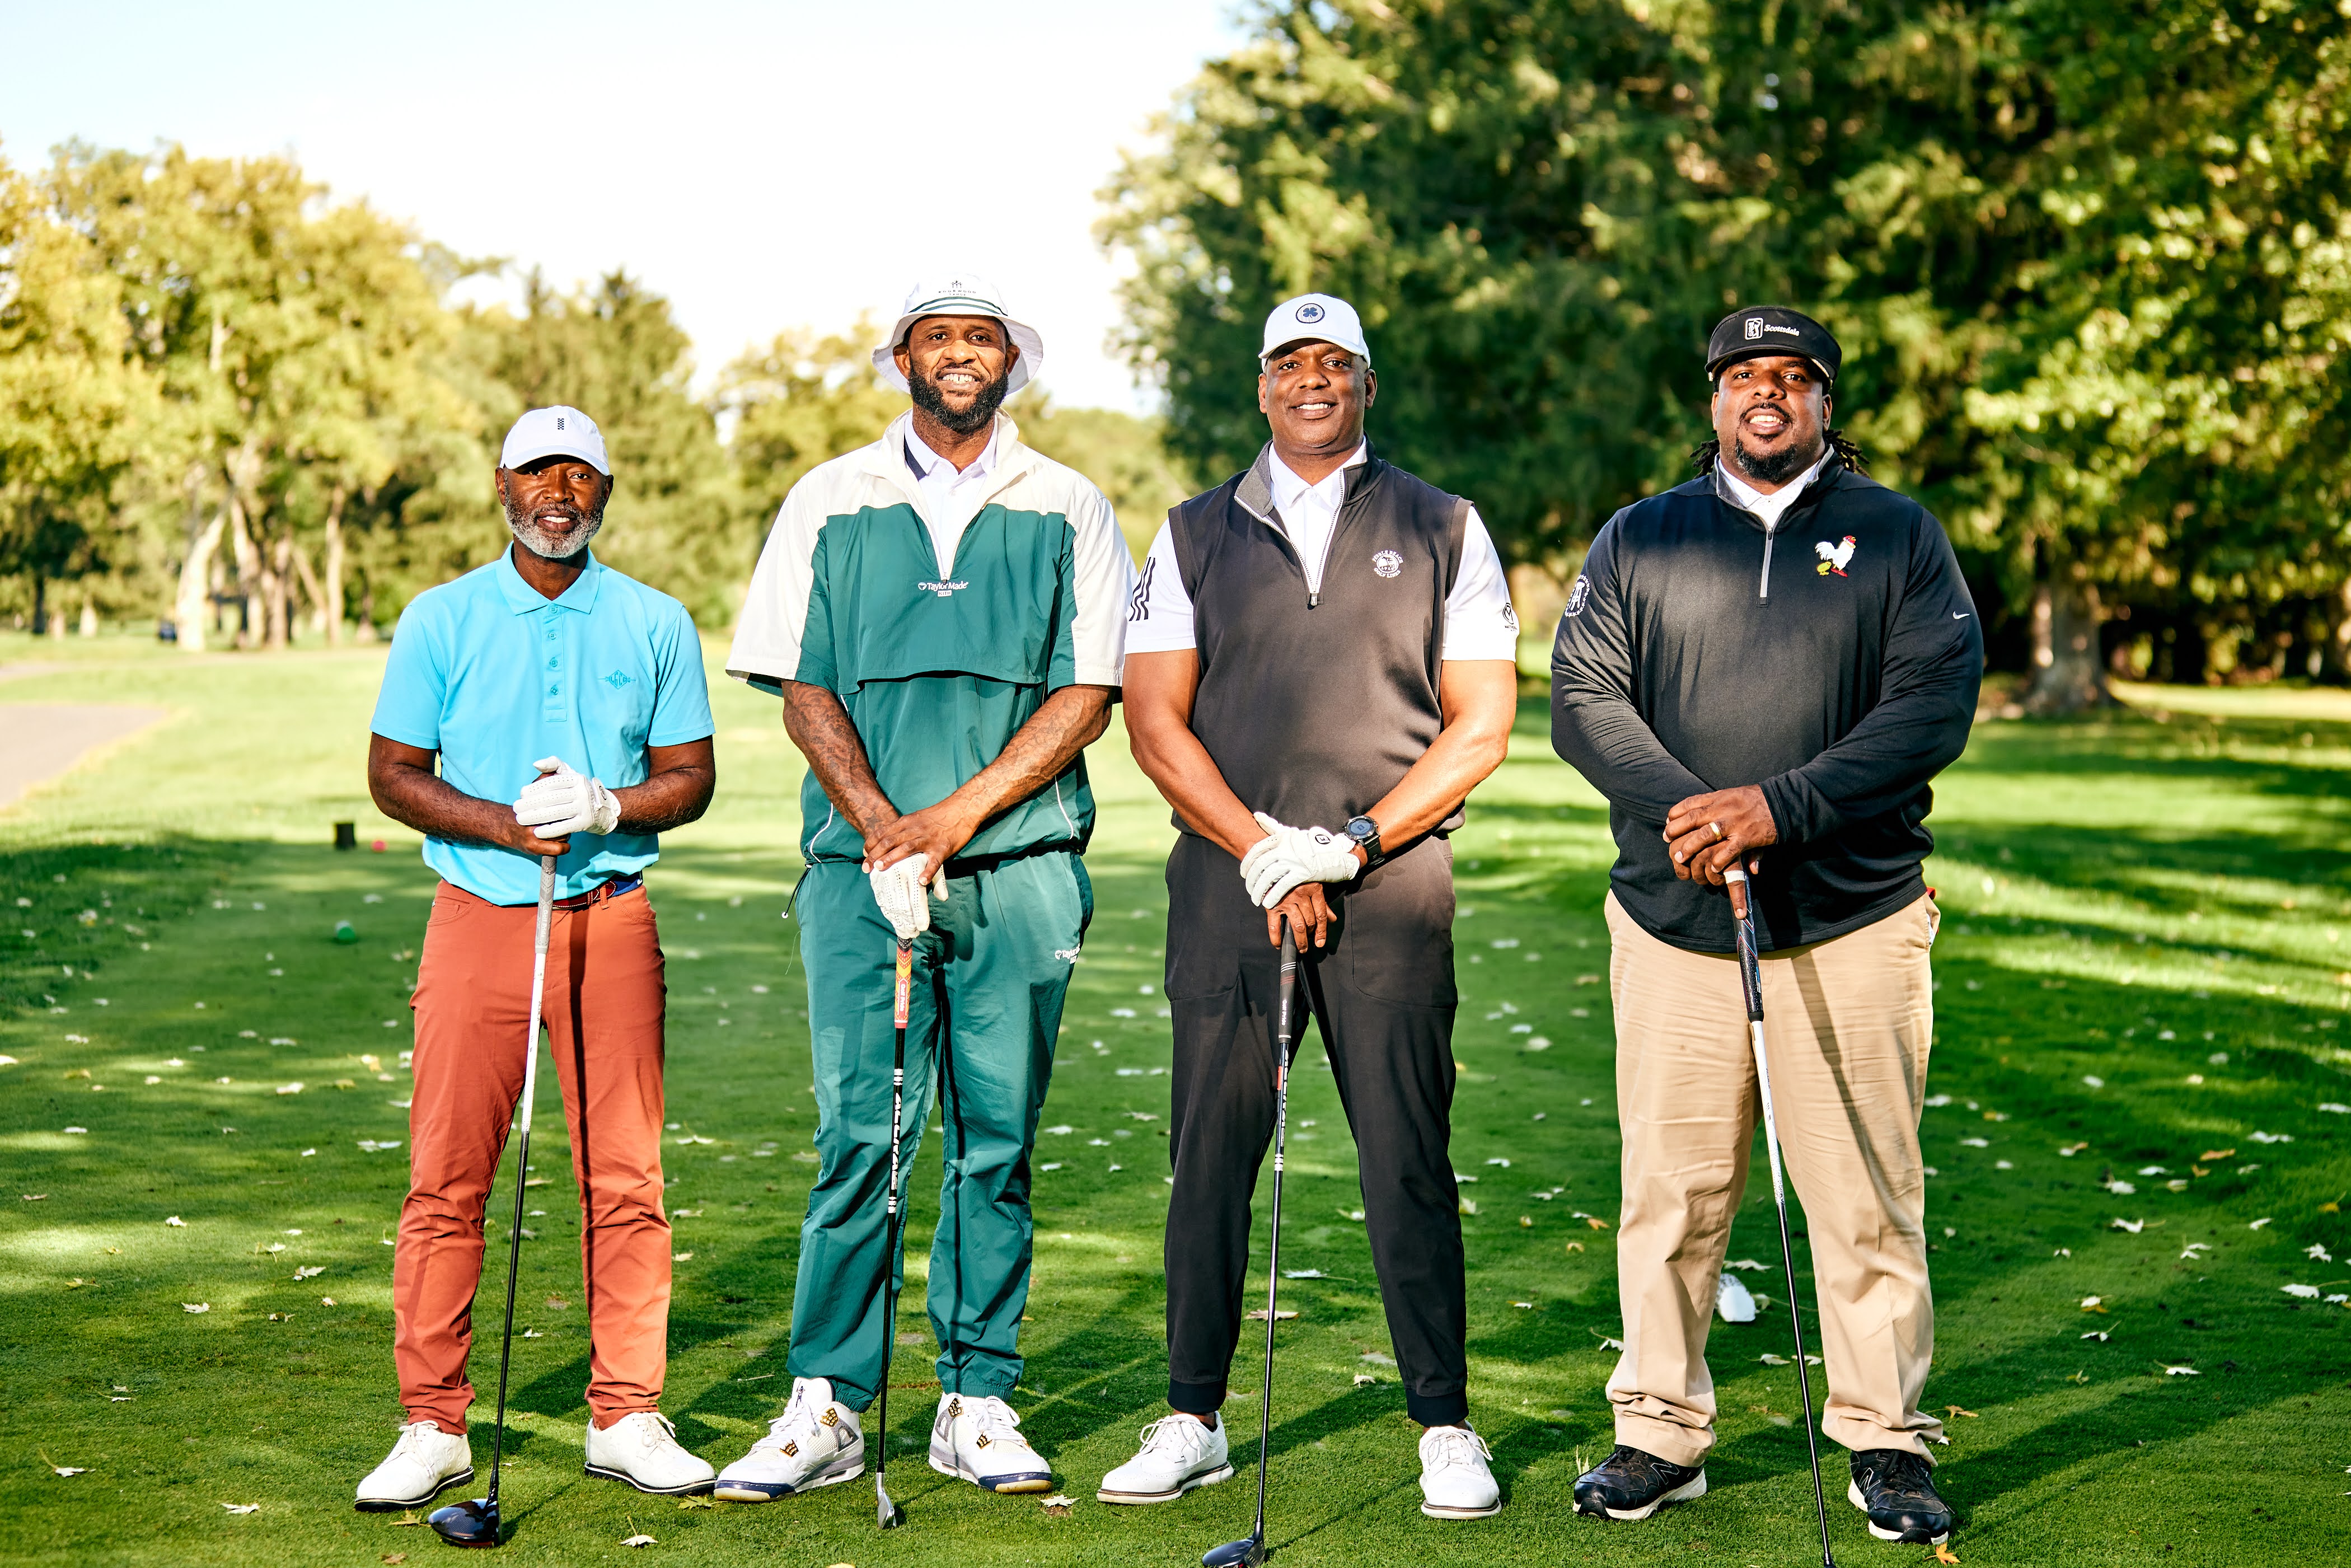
(529,533)
(970,420)
(1774,468)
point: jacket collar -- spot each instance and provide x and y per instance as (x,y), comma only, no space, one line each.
(886,459)
(522,598)
(1711,483)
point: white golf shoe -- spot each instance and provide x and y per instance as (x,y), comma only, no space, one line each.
(1456,1482)
(816,1442)
(1178,1453)
(980,1441)
(642,1448)
(420,1465)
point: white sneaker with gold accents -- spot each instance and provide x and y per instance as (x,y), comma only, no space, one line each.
(979,1440)
(816,1442)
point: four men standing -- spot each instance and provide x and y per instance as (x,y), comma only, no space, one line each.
(1319,666)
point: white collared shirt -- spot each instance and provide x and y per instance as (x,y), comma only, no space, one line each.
(1773,507)
(950,498)
(1478,621)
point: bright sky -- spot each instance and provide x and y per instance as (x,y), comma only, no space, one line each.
(762,165)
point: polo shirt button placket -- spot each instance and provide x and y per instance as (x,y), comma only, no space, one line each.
(551,640)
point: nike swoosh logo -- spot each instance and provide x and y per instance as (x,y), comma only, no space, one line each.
(1957,616)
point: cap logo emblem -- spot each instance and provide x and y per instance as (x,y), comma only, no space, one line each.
(1308,312)
(1834,557)
(559,421)
(1387,563)
(1754,327)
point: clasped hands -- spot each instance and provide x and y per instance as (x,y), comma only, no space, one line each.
(562,801)
(906,860)
(1707,834)
(1285,872)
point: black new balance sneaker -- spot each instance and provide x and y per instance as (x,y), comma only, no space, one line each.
(1630,1484)
(1896,1489)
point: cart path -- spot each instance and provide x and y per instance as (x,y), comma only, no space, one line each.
(40,741)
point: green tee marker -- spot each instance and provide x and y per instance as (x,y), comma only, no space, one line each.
(345,932)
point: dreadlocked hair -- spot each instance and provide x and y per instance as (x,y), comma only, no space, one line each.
(1705,454)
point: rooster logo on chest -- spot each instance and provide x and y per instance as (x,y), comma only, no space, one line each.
(1834,557)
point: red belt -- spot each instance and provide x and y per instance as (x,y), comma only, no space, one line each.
(602,892)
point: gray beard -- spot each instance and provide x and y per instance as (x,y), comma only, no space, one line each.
(1774,468)
(550,545)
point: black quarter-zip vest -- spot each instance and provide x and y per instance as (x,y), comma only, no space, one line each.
(1313,705)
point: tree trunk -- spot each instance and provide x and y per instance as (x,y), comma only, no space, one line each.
(89,616)
(2335,652)
(191,609)
(306,581)
(331,600)
(2067,674)
(275,592)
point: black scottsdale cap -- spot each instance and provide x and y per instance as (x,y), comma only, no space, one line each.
(1770,329)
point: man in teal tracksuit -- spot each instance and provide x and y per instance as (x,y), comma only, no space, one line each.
(943,613)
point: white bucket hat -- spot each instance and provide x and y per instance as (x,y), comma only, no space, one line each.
(961,295)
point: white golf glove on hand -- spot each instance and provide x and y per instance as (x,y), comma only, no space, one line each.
(562,803)
(898,888)
(1277,864)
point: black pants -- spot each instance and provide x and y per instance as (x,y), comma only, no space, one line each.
(1383,995)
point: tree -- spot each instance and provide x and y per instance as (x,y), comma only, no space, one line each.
(803,400)
(71,397)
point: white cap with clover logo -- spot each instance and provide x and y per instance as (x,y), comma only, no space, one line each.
(1315,318)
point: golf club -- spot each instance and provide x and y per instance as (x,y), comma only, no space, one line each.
(1750,976)
(1251,1552)
(476,1523)
(886,1512)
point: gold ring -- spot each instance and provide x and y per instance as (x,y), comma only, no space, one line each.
(1717,831)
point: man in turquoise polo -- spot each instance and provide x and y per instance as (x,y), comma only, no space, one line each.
(565,707)
(943,613)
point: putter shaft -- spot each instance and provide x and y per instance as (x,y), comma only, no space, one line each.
(886,1511)
(1283,1034)
(1750,977)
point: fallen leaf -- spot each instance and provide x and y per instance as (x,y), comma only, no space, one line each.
(2181,1372)
(1363,1378)
(1057,1503)
(393,1557)
(71,1470)
(1955,1410)
(1595,1221)
(195,1306)
(2133,1225)
(1768,1359)
(242,1507)
(2307,1292)
(2257,1223)
(2100,1335)
(1304,1274)
(1943,1552)
(1281,1315)
(1576,1246)
(639,1541)
(1747,1263)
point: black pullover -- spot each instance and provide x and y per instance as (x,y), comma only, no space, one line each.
(1832,659)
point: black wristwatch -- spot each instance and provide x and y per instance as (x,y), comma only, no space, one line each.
(1365,835)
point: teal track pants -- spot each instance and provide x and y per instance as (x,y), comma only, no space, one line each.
(990,976)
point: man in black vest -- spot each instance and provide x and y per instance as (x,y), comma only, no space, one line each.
(1321,666)
(1768,664)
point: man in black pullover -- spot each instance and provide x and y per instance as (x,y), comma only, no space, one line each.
(1769,663)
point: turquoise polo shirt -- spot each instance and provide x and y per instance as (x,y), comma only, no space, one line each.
(494,676)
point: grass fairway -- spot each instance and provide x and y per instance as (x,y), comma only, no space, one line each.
(2141,980)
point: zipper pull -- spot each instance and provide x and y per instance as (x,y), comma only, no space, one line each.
(1313,601)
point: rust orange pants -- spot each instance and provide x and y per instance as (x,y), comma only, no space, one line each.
(603,1016)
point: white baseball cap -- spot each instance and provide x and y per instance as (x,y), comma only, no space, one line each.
(1315,319)
(961,295)
(558,431)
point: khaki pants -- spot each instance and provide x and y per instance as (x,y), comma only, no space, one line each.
(603,1013)
(1846,1022)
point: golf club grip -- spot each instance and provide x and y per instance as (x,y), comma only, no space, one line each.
(1742,913)
(905,981)
(1283,1031)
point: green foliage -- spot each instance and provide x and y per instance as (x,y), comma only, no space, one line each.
(2089,262)
(804,400)
(1126,457)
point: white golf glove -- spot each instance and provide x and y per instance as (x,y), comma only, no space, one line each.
(898,888)
(562,803)
(1276,865)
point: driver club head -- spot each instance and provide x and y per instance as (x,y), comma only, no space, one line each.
(1248,1553)
(886,1512)
(471,1524)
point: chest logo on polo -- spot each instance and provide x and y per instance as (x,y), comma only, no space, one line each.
(1387,563)
(1834,557)
(943,590)
(618,679)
